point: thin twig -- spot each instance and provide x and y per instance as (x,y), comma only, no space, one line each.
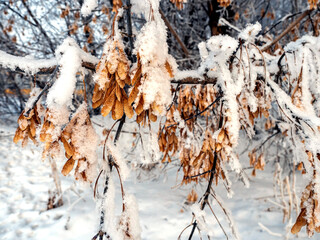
(218,221)
(199,113)
(46,87)
(207,192)
(264,142)
(292,25)
(174,33)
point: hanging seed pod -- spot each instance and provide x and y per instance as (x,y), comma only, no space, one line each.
(178,3)
(27,127)
(49,134)
(149,112)
(111,78)
(224,3)
(151,92)
(80,141)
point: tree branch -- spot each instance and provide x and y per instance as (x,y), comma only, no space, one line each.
(207,192)
(292,25)
(174,33)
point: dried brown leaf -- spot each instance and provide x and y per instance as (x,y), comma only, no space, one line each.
(300,222)
(68,147)
(68,166)
(137,75)
(18,135)
(97,93)
(133,94)
(139,108)
(108,104)
(118,92)
(122,70)
(23,122)
(127,108)
(140,117)
(118,109)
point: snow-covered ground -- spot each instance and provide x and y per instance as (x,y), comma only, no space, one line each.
(25,180)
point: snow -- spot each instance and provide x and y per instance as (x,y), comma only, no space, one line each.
(118,158)
(156,81)
(31,65)
(88,6)
(61,92)
(186,74)
(250,32)
(130,218)
(33,96)
(25,181)
(70,58)
(27,63)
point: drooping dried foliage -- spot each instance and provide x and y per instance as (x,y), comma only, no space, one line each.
(112,77)
(244,88)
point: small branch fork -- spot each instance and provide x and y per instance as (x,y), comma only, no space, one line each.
(267,139)
(111,161)
(46,87)
(206,195)
(101,232)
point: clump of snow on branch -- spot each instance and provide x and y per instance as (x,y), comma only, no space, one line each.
(217,52)
(200,217)
(152,50)
(140,7)
(250,33)
(129,224)
(27,63)
(70,58)
(119,160)
(109,207)
(58,116)
(88,6)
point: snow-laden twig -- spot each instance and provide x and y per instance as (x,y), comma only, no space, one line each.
(27,64)
(269,231)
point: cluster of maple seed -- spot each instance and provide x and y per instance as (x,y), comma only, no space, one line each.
(48,135)
(178,3)
(150,112)
(224,3)
(74,142)
(310,207)
(27,127)
(112,82)
(257,162)
(51,135)
(313,4)
(109,91)
(168,141)
(190,102)
(196,164)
